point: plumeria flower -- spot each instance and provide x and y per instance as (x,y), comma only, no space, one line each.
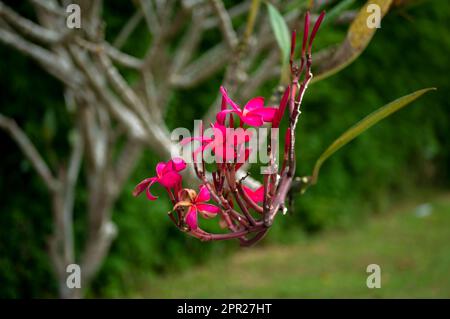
(196,203)
(256,195)
(254,113)
(228,144)
(167,174)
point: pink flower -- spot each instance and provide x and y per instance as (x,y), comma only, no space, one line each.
(254,113)
(228,144)
(167,174)
(256,195)
(196,204)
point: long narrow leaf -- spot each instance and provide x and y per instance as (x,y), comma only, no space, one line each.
(363,125)
(280,30)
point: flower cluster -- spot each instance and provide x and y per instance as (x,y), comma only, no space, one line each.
(245,212)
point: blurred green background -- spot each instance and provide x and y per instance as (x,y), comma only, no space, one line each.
(363,210)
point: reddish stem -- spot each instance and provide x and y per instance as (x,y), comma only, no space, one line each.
(248,200)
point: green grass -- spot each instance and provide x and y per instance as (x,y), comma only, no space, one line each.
(413,253)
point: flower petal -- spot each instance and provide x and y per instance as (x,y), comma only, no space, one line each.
(178,163)
(182,204)
(191,218)
(221,116)
(142,186)
(150,196)
(187,194)
(203,195)
(255,103)
(207,210)
(252,119)
(266,113)
(160,168)
(228,100)
(170,179)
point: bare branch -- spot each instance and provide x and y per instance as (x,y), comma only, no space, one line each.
(202,68)
(30,151)
(189,4)
(75,159)
(49,6)
(29,28)
(225,24)
(95,21)
(115,54)
(158,135)
(151,95)
(67,193)
(123,89)
(233,12)
(52,63)
(268,69)
(97,246)
(176,24)
(126,163)
(150,16)
(189,42)
(128,29)
(119,111)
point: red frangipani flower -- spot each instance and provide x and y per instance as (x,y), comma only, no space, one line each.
(254,113)
(227,144)
(167,174)
(196,203)
(247,213)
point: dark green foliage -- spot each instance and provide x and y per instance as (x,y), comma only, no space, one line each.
(25,215)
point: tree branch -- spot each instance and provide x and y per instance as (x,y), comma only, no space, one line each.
(150,17)
(189,41)
(29,28)
(49,61)
(125,163)
(202,68)
(50,7)
(115,54)
(225,24)
(128,29)
(119,111)
(233,12)
(30,151)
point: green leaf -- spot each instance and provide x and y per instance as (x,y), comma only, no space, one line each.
(280,30)
(334,13)
(363,125)
(358,38)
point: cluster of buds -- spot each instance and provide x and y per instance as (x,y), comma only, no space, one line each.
(245,213)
